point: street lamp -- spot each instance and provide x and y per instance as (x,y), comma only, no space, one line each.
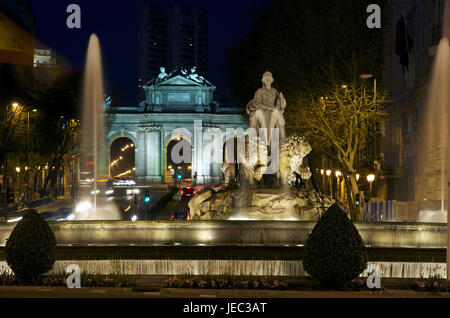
(357,176)
(322,172)
(370,179)
(338,185)
(328,172)
(17,179)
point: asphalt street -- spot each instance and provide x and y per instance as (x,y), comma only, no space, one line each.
(128,202)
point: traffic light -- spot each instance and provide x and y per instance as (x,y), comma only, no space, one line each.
(357,199)
(179,177)
(147,197)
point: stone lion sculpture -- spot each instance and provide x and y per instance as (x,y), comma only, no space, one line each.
(229,172)
(293,151)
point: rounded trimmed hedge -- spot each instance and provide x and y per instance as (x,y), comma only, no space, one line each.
(335,252)
(31,248)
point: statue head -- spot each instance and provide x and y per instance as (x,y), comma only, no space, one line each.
(162,69)
(267,78)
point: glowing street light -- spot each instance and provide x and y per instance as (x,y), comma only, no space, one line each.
(15,105)
(328,172)
(338,184)
(370,179)
(18,169)
(357,176)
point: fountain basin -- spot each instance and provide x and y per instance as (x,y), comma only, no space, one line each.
(234,233)
(239,247)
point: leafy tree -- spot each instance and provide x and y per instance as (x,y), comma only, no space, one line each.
(31,248)
(335,252)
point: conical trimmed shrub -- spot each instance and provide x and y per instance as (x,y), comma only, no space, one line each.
(335,252)
(31,248)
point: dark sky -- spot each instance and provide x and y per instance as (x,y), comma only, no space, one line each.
(115,23)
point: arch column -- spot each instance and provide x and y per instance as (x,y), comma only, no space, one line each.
(140,151)
(153,156)
(148,154)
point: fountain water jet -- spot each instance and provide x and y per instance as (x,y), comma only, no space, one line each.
(435,140)
(93,127)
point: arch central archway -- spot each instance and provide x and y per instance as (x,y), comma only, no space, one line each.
(122,159)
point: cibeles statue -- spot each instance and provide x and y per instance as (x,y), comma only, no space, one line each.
(266,109)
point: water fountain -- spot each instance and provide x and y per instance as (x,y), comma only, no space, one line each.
(93,136)
(268,237)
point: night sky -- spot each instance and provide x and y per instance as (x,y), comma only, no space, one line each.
(115,23)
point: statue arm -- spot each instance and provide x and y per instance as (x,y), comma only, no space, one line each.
(282,101)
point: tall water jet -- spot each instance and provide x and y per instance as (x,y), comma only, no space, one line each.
(434,145)
(92,125)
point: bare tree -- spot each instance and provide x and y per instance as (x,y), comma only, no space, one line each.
(340,124)
(10,117)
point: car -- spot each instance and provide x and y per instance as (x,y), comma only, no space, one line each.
(187,193)
(180,212)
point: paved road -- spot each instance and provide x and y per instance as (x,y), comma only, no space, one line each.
(61,209)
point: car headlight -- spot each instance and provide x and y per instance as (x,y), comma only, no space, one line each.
(108,192)
(83,206)
(14,220)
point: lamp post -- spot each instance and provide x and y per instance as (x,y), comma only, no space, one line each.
(370,179)
(338,185)
(322,172)
(17,179)
(329,178)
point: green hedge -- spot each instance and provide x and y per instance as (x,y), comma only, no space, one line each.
(30,250)
(335,252)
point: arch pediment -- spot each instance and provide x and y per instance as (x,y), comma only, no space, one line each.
(179,81)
